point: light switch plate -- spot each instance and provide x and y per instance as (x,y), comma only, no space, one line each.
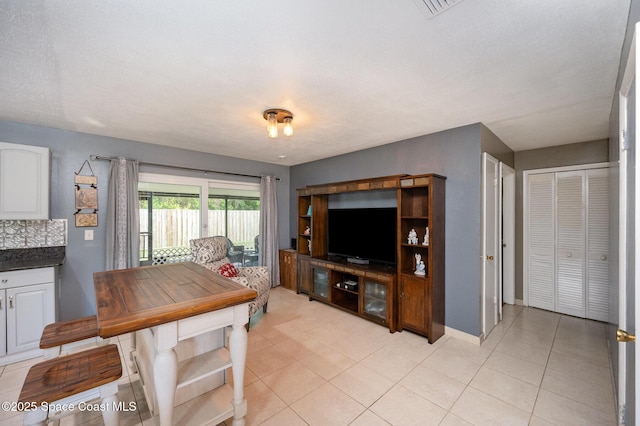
(88,234)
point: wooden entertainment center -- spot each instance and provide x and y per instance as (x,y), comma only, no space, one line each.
(393,296)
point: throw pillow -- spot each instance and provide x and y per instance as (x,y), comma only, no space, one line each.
(228,270)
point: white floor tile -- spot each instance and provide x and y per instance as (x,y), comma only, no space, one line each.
(311,364)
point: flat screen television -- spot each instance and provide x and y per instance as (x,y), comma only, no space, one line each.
(366,233)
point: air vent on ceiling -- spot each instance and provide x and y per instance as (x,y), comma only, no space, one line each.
(432,8)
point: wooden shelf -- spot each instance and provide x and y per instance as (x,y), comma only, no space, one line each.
(212,407)
(199,367)
(346,290)
(421,302)
(412,302)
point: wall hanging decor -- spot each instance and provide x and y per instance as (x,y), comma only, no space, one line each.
(86,197)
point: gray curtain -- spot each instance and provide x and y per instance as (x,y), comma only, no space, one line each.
(269,228)
(123,222)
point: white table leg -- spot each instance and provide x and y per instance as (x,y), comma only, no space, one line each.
(109,398)
(238,352)
(165,370)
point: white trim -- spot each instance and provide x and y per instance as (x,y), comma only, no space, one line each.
(194,181)
(568,168)
(204,185)
(508,229)
(636,260)
(488,162)
(461,335)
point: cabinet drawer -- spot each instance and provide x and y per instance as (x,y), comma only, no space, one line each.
(26,277)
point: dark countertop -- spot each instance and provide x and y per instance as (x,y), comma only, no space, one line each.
(30,258)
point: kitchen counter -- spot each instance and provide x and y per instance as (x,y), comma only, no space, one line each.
(30,258)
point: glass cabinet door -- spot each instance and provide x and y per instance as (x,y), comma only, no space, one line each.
(375,299)
(320,282)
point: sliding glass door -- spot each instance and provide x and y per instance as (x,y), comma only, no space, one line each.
(169,218)
(174,210)
(235,213)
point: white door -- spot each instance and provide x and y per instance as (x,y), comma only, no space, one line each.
(539,258)
(490,238)
(597,248)
(29,310)
(508,227)
(570,243)
(628,373)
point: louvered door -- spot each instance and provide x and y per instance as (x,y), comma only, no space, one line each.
(541,264)
(570,244)
(597,285)
(567,242)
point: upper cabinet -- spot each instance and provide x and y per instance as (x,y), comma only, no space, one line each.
(24,181)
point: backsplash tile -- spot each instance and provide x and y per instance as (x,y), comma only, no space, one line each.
(57,233)
(33,233)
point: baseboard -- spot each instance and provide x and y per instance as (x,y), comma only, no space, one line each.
(519,302)
(452,332)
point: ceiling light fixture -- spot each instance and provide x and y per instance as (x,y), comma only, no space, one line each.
(275,116)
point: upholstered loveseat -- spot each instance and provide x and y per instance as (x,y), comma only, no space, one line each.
(211,252)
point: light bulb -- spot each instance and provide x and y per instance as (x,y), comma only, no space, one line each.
(272,125)
(288,128)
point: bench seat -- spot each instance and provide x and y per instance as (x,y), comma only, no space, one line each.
(70,379)
(66,336)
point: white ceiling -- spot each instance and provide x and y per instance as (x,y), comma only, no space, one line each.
(198,74)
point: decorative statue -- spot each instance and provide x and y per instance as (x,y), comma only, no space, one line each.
(413,237)
(307,230)
(426,237)
(420,268)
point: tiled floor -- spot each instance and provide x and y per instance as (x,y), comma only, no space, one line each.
(310,364)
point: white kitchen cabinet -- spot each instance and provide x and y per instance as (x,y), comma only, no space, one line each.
(28,306)
(24,181)
(3,323)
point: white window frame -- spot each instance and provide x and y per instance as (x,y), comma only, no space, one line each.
(204,185)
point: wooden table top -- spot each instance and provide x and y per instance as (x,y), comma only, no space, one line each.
(137,298)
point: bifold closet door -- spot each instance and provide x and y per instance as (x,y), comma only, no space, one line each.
(597,285)
(570,243)
(568,240)
(541,240)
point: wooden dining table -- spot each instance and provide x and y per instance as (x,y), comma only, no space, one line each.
(166,304)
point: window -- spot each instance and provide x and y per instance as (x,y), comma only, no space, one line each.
(173,210)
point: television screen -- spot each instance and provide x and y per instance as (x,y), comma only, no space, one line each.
(367,233)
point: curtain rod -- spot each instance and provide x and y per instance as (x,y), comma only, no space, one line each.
(99,158)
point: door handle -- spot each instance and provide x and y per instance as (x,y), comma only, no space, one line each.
(10,302)
(623,336)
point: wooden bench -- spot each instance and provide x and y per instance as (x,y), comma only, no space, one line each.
(53,385)
(63,337)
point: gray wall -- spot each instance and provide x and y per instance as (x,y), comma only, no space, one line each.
(493,145)
(70,149)
(453,153)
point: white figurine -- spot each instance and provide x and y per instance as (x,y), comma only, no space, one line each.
(426,237)
(419,265)
(413,237)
